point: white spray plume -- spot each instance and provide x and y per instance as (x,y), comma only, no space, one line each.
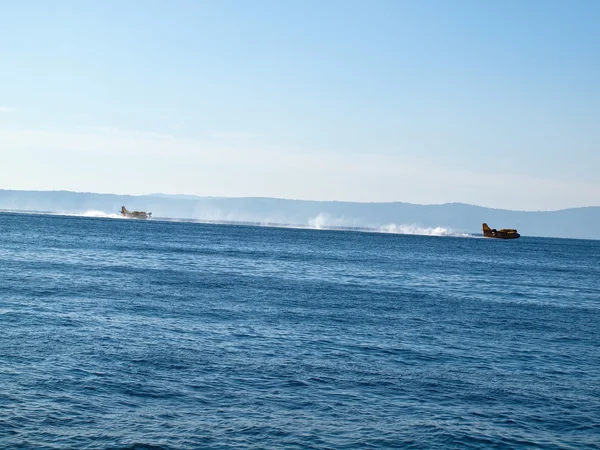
(96,213)
(424,231)
(318,222)
(324,220)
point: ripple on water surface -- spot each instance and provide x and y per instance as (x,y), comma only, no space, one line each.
(150,335)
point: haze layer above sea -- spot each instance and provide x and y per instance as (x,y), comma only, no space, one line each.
(450,219)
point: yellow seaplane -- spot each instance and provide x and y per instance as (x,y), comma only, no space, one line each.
(135,214)
(505,233)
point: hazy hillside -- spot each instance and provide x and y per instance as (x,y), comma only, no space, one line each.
(397,216)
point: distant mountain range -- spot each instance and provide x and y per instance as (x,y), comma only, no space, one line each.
(450,218)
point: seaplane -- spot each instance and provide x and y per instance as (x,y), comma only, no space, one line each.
(135,214)
(504,233)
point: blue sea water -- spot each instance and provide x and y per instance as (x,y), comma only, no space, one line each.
(151,335)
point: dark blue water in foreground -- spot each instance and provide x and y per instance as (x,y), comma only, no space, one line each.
(147,334)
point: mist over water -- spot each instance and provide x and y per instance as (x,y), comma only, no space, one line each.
(422,231)
(396,217)
(322,221)
(328,221)
(101,214)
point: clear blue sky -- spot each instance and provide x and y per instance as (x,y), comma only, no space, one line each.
(496,104)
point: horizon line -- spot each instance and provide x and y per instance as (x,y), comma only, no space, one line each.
(199,197)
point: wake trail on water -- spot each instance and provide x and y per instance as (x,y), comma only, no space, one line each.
(320,222)
(93,213)
(96,214)
(325,221)
(422,231)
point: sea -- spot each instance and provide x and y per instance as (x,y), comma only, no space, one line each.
(132,334)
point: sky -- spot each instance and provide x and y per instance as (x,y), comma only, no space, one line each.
(489,103)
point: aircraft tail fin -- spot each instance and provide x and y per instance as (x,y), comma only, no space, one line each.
(487,231)
(124,210)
